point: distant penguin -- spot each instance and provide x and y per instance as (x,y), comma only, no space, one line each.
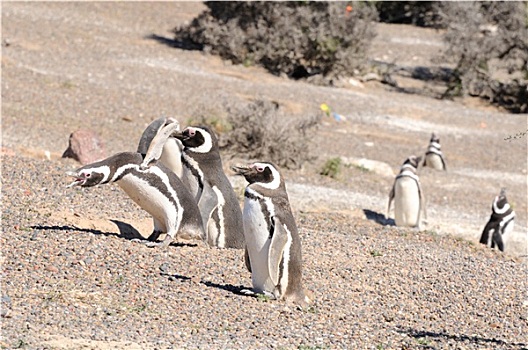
(500,224)
(273,247)
(156,189)
(407,195)
(434,157)
(204,176)
(170,149)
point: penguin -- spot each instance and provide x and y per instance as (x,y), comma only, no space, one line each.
(500,224)
(407,195)
(156,189)
(171,148)
(434,157)
(204,176)
(273,247)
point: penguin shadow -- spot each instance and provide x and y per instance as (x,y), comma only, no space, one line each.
(378,218)
(420,334)
(227,287)
(128,232)
(175,43)
(71,228)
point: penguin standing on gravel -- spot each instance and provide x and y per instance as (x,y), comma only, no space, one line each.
(204,176)
(273,247)
(407,195)
(169,148)
(500,224)
(434,157)
(156,189)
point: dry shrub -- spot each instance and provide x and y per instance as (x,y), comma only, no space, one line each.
(262,131)
(299,39)
(489,43)
(419,13)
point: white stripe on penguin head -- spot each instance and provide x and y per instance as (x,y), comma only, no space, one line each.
(103,169)
(275,183)
(208,141)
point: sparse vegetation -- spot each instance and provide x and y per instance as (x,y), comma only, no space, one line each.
(262,131)
(375,253)
(332,168)
(488,41)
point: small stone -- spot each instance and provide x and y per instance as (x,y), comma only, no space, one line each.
(85,146)
(52,268)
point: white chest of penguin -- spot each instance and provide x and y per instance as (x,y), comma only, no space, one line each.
(258,243)
(406,202)
(150,199)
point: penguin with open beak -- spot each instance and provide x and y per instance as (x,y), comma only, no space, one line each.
(273,247)
(155,188)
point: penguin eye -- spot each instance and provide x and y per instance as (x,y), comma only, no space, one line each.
(191,132)
(260,168)
(88,174)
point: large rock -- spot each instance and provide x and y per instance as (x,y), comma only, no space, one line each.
(380,168)
(85,146)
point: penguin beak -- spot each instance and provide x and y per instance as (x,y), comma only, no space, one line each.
(179,135)
(79,179)
(241,169)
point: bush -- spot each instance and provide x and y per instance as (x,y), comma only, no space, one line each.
(489,43)
(332,168)
(261,131)
(299,39)
(419,13)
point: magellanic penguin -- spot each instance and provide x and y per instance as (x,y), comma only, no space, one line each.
(156,189)
(500,223)
(204,176)
(407,195)
(433,156)
(273,247)
(169,148)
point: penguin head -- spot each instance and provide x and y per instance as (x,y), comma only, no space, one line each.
(412,161)
(434,138)
(89,176)
(197,138)
(264,174)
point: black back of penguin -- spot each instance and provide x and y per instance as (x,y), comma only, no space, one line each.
(201,149)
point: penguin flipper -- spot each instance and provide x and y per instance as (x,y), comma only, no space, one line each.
(207,204)
(443,163)
(246,259)
(149,133)
(276,250)
(156,146)
(391,198)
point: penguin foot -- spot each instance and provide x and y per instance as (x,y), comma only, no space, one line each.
(164,243)
(248,292)
(253,293)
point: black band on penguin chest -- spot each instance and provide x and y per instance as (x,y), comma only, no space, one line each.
(153,180)
(194,172)
(270,222)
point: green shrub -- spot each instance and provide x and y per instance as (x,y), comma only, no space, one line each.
(332,167)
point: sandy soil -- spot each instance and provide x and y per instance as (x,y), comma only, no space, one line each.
(110,67)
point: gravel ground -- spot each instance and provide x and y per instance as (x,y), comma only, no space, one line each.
(73,279)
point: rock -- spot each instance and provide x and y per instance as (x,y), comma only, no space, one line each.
(380,168)
(85,146)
